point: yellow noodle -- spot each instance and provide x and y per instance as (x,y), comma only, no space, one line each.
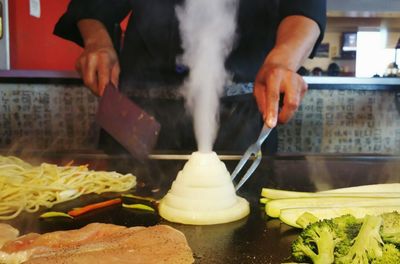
(24,187)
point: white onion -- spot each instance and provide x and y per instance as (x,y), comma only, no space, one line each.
(203,194)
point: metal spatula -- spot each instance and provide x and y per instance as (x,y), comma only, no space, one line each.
(127,123)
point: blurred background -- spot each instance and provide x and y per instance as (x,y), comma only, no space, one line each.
(352,105)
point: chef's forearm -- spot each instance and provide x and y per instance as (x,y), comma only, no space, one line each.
(94,33)
(296,38)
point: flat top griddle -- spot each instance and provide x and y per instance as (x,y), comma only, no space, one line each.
(254,239)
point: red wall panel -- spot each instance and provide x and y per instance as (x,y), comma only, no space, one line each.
(32,43)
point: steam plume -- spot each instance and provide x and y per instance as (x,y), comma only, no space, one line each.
(207,28)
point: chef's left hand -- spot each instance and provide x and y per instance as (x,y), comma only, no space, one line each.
(271,81)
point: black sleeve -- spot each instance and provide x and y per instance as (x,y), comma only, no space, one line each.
(313,9)
(109,12)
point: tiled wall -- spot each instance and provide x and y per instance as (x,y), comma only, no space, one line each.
(47,116)
(344,121)
(61,117)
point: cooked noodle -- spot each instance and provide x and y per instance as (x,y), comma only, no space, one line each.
(27,187)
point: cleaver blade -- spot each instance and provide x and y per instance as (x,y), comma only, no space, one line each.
(127,123)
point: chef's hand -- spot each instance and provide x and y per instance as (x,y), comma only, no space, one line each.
(272,81)
(295,40)
(98,64)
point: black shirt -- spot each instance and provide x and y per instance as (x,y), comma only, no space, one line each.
(149,59)
(152,41)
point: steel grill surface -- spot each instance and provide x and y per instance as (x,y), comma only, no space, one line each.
(254,239)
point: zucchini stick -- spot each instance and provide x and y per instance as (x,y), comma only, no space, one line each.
(139,206)
(390,188)
(282,194)
(273,208)
(379,188)
(289,216)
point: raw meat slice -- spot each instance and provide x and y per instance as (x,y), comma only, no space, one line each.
(7,233)
(106,243)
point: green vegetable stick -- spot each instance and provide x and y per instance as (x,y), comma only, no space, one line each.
(55,214)
(392,188)
(379,188)
(273,208)
(289,216)
(139,206)
(282,194)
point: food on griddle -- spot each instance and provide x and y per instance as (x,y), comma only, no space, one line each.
(358,201)
(390,229)
(348,239)
(76,212)
(371,188)
(27,187)
(7,233)
(203,194)
(139,207)
(289,216)
(101,243)
(273,208)
(384,189)
(90,207)
(52,214)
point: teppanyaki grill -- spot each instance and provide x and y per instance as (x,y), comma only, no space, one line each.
(255,239)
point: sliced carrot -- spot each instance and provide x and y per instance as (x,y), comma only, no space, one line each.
(70,163)
(91,207)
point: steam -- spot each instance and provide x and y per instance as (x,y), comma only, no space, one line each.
(207,28)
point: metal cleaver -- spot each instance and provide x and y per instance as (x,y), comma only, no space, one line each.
(127,123)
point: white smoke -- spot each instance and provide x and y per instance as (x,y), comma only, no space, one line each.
(208,29)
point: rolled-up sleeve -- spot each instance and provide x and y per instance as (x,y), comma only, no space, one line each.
(313,9)
(109,12)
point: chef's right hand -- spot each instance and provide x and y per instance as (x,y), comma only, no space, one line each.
(98,64)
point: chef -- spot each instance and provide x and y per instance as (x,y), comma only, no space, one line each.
(274,37)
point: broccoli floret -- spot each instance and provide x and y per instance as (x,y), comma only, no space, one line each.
(390,229)
(390,255)
(349,225)
(367,245)
(346,239)
(347,228)
(316,243)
